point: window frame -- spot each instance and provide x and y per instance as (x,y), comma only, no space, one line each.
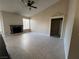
(26,25)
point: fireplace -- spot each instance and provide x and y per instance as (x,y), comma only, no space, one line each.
(16,29)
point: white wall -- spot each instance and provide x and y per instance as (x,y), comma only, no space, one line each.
(10,19)
(74,46)
(69,26)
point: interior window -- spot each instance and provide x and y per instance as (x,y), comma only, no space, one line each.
(26,23)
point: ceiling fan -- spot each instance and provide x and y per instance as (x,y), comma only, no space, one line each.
(29,3)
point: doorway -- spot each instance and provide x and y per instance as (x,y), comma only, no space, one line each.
(56,25)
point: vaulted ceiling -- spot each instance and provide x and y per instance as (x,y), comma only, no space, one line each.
(16,6)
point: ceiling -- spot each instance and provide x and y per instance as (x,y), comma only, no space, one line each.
(17,7)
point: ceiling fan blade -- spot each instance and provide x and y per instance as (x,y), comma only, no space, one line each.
(33,7)
(29,1)
(32,2)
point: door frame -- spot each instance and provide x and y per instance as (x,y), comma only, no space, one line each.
(61,34)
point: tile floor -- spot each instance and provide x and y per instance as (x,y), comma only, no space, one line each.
(34,46)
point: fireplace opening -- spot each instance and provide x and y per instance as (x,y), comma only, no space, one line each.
(16,29)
